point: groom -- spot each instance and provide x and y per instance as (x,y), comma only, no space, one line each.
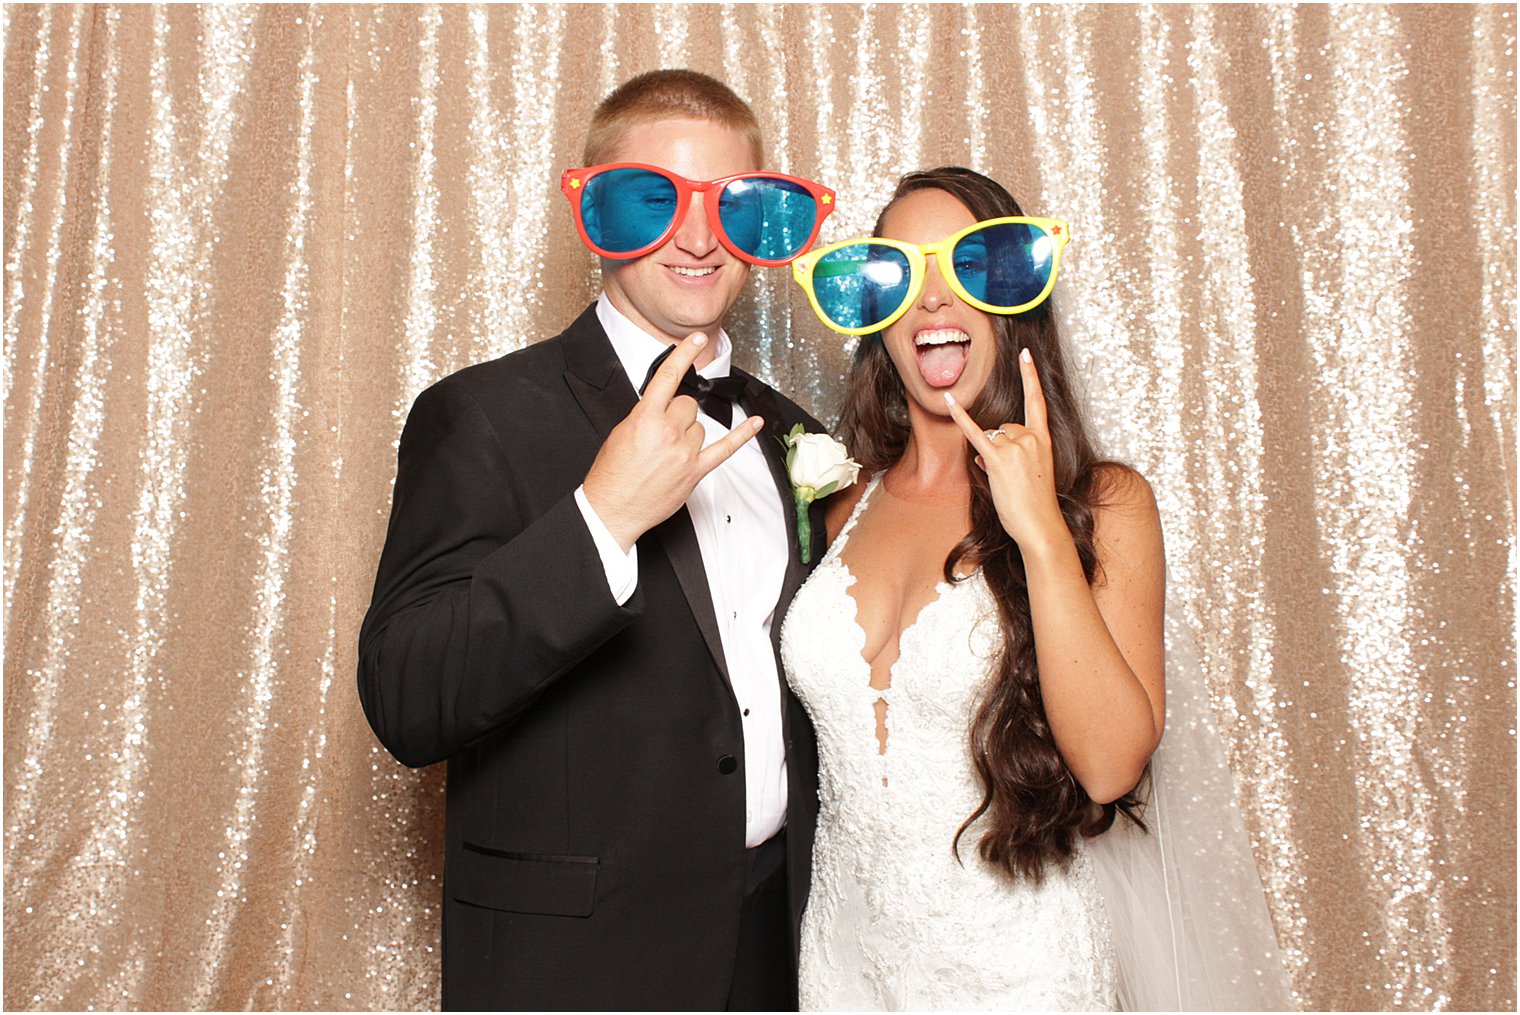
(578,607)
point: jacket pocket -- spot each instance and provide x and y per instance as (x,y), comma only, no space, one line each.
(544,883)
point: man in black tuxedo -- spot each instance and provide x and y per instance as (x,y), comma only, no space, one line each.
(578,607)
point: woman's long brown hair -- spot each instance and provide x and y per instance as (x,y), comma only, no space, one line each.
(1034,807)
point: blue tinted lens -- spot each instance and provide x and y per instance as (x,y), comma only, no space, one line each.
(768,219)
(627,209)
(861,285)
(1005,265)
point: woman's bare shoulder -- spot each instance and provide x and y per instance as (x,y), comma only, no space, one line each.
(1120,489)
(1126,523)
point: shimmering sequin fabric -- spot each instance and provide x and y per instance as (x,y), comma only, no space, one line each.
(239,239)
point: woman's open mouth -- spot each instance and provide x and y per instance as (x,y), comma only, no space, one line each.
(942,355)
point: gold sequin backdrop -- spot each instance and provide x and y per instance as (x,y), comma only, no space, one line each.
(238,241)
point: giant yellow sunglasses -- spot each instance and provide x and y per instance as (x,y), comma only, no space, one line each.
(1002,265)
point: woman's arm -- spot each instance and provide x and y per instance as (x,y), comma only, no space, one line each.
(1101,649)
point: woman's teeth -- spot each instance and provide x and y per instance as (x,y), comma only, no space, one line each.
(940,337)
(692,272)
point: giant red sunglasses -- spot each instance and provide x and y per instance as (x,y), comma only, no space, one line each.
(627,209)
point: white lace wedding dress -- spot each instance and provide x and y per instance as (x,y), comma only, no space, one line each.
(893,921)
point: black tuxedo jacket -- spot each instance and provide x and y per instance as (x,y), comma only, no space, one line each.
(596,793)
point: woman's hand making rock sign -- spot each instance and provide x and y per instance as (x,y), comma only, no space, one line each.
(1099,648)
(1019,466)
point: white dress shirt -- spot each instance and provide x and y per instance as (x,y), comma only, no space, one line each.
(741,530)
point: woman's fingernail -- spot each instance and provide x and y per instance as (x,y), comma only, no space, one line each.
(949,398)
(1025,355)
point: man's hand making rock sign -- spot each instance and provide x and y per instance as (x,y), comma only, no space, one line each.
(654,458)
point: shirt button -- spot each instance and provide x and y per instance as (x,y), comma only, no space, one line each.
(727,765)
(746,711)
(729,519)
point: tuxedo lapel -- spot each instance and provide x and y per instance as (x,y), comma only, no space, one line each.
(595,376)
(679,540)
(601,387)
(760,400)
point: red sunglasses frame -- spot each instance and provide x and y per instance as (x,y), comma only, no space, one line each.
(573,182)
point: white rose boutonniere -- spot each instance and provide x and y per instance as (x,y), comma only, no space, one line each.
(818,466)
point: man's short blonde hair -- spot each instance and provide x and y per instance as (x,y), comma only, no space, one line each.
(662,95)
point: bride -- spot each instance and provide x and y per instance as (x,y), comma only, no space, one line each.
(981,649)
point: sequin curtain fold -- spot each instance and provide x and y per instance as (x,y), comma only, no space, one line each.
(238,240)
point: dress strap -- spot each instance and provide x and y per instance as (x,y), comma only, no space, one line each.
(844,533)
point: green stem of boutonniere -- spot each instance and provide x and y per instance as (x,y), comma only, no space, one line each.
(804,523)
(804,497)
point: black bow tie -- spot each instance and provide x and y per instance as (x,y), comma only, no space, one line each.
(715,396)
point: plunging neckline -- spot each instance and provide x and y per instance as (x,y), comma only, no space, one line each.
(940,588)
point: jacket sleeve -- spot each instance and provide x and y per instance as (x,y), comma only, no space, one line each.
(477,607)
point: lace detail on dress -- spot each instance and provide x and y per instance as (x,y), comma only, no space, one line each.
(893,920)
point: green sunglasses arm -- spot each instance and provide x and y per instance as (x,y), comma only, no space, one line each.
(834,269)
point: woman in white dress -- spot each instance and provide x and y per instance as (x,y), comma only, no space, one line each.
(981,649)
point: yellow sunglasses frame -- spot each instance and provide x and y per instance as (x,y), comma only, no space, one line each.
(918,268)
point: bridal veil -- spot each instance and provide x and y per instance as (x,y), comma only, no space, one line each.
(1190,921)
